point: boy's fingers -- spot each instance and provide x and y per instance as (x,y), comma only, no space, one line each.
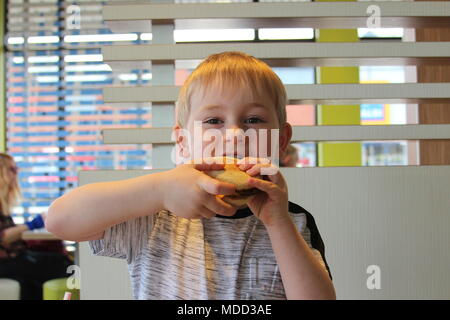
(219,206)
(206,213)
(271,171)
(252,160)
(245,166)
(269,187)
(277,179)
(213,186)
(231,211)
(264,169)
(210,163)
(249,162)
(207,166)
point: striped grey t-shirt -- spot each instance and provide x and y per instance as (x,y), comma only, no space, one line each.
(221,258)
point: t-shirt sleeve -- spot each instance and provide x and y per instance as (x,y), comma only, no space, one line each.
(308,229)
(125,240)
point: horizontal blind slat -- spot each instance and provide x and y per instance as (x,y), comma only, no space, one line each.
(300,133)
(304,93)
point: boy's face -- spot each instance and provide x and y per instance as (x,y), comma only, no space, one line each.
(221,116)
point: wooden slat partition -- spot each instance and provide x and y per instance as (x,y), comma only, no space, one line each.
(434,152)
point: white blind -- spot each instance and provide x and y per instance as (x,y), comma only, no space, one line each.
(55,109)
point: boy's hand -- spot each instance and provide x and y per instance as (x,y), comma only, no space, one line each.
(190,193)
(271,206)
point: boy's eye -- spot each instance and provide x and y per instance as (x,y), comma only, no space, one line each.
(212,121)
(254,120)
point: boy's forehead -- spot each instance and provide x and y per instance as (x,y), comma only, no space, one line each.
(255,104)
(214,95)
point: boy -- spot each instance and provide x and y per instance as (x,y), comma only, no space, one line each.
(180,239)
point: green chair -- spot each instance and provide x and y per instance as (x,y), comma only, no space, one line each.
(56,288)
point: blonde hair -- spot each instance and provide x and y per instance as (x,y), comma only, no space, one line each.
(236,70)
(9,188)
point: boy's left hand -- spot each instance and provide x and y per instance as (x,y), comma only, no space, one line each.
(271,206)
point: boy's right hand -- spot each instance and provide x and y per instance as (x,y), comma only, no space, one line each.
(190,193)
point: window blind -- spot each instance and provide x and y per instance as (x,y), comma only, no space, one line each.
(55,109)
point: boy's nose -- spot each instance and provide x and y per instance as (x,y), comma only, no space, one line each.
(235,142)
(234,133)
(234,127)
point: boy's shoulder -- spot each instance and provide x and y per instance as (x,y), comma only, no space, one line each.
(296,209)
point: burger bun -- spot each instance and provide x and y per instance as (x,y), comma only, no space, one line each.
(232,174)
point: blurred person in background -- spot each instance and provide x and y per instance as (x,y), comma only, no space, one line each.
(31,263)
(290,158)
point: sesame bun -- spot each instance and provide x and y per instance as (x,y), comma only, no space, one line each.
(232,174)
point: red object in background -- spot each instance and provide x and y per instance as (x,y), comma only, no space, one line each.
(46,245)
(304,162)
(301,115)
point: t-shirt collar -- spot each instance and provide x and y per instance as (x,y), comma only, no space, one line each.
(241,213)
(246,212)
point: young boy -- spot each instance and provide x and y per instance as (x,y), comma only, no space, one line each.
(180,239)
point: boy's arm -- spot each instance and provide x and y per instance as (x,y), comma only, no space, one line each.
(86,212)
(302,274)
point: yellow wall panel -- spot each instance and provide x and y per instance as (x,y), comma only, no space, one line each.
(344,153)
(338,115)
(334,35)
(338,75)
(338,154)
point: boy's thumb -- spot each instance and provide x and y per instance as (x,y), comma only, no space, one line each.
(213,186)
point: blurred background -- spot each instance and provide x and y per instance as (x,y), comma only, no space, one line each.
(54,76)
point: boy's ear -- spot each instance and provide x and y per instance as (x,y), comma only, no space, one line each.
(176,133)
(180,139)
(285,138)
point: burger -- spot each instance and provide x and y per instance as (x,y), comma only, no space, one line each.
(232,174)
